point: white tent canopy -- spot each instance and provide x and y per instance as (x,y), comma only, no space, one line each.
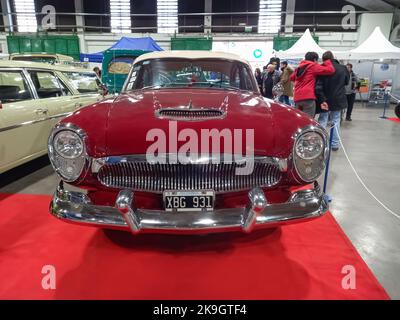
(376,46)
(305,44)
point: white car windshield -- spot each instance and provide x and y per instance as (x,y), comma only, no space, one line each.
(195,73)
(83,82)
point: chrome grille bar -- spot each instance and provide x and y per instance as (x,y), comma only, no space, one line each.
(190,114)
(137,174)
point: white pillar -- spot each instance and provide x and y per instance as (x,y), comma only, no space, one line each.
(289,20)
(207,18)
(7,17)
(79,20)
(80,23)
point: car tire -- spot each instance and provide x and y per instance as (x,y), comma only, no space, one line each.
(397,110)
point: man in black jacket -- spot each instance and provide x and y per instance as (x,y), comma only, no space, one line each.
(270,79)
(331,96)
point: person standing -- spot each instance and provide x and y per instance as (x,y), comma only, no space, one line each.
(351,89)
(97,71)
(304,77)
(331,95)
(271,78)
(258,76)
(286,83)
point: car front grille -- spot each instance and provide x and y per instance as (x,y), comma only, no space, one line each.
(155,177)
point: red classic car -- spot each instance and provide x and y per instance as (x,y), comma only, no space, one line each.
(189,146)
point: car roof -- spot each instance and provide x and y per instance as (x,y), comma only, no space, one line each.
(41,54)
(190,54)
(39,65)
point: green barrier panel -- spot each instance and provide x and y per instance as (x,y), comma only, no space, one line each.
(66,45)
(284,43)
(191,43)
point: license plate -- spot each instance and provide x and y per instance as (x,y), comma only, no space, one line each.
(189,200)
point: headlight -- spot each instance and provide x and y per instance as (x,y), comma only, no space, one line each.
(68,144)
(67,152)
(309,145)
(309,154)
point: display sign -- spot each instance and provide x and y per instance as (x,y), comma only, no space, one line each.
(379,91)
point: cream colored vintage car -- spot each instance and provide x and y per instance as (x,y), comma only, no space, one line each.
(52,58)
(33,98)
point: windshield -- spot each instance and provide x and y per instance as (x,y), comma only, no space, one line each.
(196,73)
(83,82)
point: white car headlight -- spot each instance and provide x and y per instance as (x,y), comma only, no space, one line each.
(67,154)
(68,144)
(309,145)
(309,154)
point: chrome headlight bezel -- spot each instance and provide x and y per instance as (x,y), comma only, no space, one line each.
(81,162)
(316,164)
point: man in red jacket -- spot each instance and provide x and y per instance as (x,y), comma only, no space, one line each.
(304,78)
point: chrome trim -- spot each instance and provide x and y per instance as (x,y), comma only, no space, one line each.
(189,159)
(27,123)
(76,207)
(34,121)
(190,114)
(124,204)
(257,204)
(88,160)
(61,115)
(296,135)
(31,84)
(216,172)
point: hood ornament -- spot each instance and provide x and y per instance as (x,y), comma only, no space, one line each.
(190,105)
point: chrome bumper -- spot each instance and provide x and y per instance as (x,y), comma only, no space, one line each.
(76,207)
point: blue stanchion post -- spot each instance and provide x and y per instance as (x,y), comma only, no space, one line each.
(327,164)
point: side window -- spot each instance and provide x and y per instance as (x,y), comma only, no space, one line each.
(235,81)
(246,80)
(64,88)
(13,87)
(47,84)
(141,76)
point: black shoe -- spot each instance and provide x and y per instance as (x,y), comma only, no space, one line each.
(348,119)
(335,149)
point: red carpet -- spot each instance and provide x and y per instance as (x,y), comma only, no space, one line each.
(394,119)
(294,262)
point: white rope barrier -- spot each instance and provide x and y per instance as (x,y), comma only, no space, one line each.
(359,178)
(394,97)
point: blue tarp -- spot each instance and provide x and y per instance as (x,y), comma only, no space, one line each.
(125,43)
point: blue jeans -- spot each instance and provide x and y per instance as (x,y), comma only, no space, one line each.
(323,120)
(284,99)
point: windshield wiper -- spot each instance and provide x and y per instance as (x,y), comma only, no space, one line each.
(190,84)
(216,84)
(164,85)
(153,86)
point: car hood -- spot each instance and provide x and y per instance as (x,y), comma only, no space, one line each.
(134,115)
